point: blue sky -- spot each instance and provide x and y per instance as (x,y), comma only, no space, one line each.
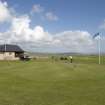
(57,17)
(73,14)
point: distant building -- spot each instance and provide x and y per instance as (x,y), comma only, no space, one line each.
(10,52)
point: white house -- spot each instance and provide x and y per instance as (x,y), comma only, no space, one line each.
(10,52)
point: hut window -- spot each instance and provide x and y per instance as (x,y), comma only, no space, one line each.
(10,53)
(1,52)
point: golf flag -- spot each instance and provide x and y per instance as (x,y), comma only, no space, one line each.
(97,34)
(99,46)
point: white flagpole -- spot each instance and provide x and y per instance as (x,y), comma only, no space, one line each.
(5,47)
(5,50)
(99,50)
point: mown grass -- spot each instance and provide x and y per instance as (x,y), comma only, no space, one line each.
(49,82)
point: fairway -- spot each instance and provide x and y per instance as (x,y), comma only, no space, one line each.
(52,83)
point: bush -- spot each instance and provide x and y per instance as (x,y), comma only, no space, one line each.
(63,58)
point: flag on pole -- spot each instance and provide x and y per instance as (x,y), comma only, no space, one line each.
(95,35)
(99,47)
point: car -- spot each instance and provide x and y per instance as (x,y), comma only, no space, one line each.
(25,58)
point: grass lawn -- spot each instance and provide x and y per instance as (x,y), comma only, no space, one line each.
(52,82)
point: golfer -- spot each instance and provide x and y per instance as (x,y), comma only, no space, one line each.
(71,59)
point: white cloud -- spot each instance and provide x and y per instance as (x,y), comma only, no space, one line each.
(5,14)
(102,26)
(50,16)
(74,41)
(37,8)
(21,30)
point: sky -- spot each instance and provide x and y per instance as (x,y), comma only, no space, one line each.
(53,25)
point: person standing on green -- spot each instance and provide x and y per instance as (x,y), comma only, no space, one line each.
(71,59)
